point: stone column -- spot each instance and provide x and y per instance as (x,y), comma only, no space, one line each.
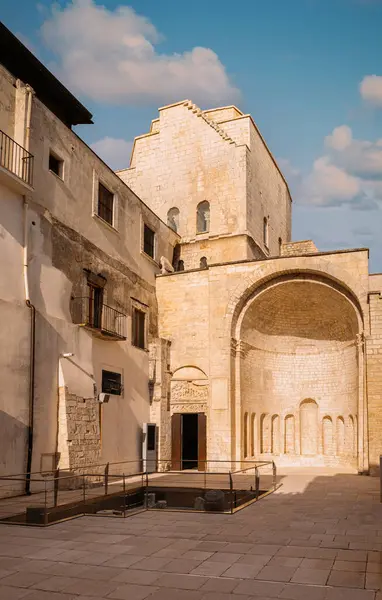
(363,451)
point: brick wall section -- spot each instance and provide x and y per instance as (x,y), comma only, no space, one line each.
(374,381)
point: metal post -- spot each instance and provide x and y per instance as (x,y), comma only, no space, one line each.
(231,491)
(257,482)
(274,475)
(56,480)
(106,478)
(124,496)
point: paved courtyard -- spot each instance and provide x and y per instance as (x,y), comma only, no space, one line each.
(319,537)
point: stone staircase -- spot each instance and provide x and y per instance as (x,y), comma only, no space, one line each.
(199,113)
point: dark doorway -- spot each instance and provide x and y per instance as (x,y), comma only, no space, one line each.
(189,441)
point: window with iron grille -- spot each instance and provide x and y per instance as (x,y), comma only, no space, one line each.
(149,241)
(139,325)
(105,204)
(111,383)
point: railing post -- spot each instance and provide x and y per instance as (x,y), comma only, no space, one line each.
(257,482)
(106,478)
(56,480)
(83,489)
(274,473)
(231,491)
(124,496)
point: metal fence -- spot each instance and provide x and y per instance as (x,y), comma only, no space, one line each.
(122,489)
(16,159)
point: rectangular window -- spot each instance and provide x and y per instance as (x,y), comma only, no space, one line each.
(105,204)
(111,383)
(56,165)
(138,333)
(149,241)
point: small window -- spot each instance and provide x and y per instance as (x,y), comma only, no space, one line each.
(139,326)
(180,266)
(280,245)
(105,204)
(149,241)
(151,435)
(56,165)
(173,218)
(111,383)
(265,231)
(203,263)
(203,217)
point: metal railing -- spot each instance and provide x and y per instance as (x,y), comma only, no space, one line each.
(123,488)
(16,159)
(105,320)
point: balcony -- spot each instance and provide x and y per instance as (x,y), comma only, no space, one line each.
(102,320)
(16,165)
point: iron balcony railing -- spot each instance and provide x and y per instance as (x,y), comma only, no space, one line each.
(16,159)
(101,318)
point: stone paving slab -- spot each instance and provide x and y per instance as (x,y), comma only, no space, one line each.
(318,538)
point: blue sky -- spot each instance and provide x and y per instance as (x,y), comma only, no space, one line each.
(309,72)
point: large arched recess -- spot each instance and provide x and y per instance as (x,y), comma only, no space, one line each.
(296,335)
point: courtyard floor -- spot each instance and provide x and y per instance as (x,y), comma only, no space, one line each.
(319,537)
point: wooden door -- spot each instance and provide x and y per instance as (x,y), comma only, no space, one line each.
(176,441)
(202,442)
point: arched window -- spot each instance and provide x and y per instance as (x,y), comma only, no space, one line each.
(180,266)
(173,218)
(265,231)
(280,244)
(203,217)
(203,263)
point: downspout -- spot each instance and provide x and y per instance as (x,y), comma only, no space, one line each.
(32,360)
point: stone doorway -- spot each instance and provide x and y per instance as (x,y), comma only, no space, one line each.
(188,441)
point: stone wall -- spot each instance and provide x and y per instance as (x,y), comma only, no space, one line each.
(79,435)
(298,248)
(374,381)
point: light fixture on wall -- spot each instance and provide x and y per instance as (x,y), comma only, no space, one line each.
(67,355)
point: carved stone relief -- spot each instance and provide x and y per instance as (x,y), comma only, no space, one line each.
(186,397)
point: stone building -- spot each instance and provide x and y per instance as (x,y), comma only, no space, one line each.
(173,289)
(275,345)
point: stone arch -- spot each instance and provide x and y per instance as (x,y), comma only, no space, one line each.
(173,218)
(253,434)
(246,292)
(203,217)
(203,262)
(275,434)
(189,373)
(327,436)
(308,427)
(265,431)
(340,436)
(245,435)
(289,435)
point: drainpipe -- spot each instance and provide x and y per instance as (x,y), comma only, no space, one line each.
(32,359)
(32,354)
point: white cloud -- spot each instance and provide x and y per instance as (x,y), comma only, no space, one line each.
(340,138)
(110,56)
(328,185)
(371,89)
(114,151)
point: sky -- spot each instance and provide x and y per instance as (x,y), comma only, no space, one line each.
(308,71)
